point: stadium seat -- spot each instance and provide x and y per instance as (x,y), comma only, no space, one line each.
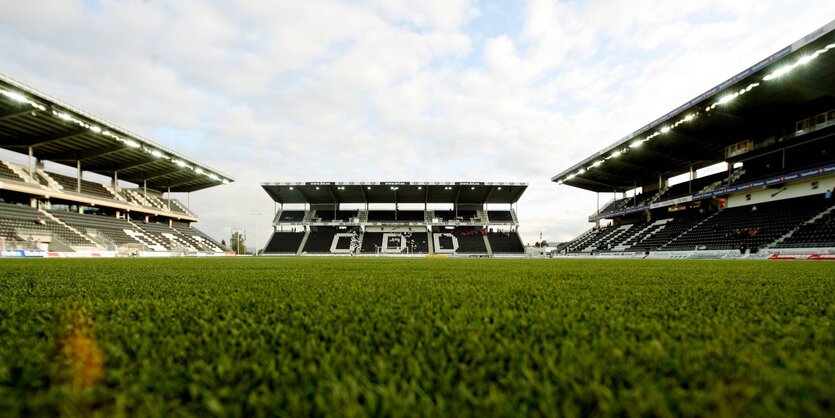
(505,243)
(284,243)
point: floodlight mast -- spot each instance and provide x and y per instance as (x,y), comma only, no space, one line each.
(256,215)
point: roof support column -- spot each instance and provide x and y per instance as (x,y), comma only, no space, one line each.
(517,209)
(634,192)
(78,176)
(455,203)
(145,188)
(116,181)
(169,198)
(31,163)
(690,179)
(730,166)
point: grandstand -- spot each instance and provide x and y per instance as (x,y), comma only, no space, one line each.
(395,218)
(746,167)
(51,212)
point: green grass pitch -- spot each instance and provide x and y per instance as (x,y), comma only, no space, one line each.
(416,337)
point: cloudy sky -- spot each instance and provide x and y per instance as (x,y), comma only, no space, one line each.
(390,90)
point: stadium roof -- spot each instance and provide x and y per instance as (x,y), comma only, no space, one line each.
(750,105)
(61,133)
(462,193)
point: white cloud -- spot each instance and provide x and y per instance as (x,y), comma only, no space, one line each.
(439,14)
(384,90)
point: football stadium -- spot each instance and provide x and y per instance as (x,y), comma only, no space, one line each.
(396,218)
(702,287)
(768,130)
(51,214)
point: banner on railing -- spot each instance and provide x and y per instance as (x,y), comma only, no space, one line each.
(724,191)
(24,253)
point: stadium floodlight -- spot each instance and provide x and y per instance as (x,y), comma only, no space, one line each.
(95,129)
(214,177)
(180,163)
(131,143)
(198,170)
(778,72)
(20,98)
(597,163)
(291,187)
(636,144)
(317,187)
(581,171)
(227,182)
(665,129)
(16,96)
(571,176)
(727,98)
(801,61)
(69,118)
(689,117)
(156,153)
(616,154)
(806,59)
(369,187)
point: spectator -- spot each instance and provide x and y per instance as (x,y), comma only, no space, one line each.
(828,194)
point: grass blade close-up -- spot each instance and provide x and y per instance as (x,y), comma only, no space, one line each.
(393,337)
